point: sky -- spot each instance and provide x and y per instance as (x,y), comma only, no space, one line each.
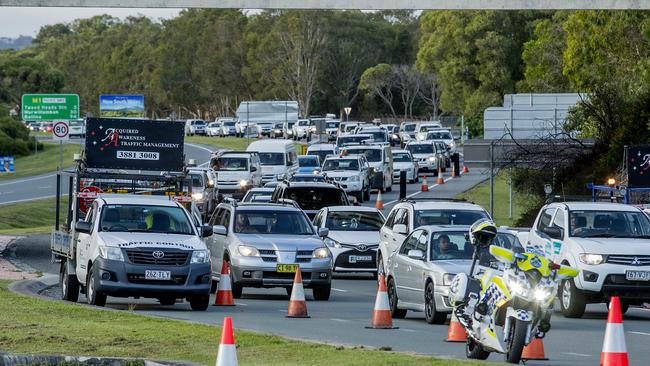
(27,21)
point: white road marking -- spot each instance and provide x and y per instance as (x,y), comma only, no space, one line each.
(407,330)
(7,192)
(27,179)
(640,333)
(340,320)
(338,289)
(28,199)
(418,192)
(199,147)
(576,354)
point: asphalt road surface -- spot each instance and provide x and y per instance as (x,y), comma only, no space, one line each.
(342,319)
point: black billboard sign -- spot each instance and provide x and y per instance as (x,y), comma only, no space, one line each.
(638,166)
(135,144)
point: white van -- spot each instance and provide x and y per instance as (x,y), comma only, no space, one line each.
(279,158)
(322,150)
(237,172)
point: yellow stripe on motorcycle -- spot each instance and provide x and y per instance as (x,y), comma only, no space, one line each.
(502,254)
(500,283)
(543,264)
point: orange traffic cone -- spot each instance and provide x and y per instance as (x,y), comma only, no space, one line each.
(455,332)
(224,291)
(614,349)
(380,203)
(297,303)
(440,180)
(425,185)
(381,317)
(227,355)
(534,350)
(465,169)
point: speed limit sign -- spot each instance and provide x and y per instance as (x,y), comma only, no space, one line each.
(60,131)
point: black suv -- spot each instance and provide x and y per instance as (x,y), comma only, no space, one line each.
(311,196)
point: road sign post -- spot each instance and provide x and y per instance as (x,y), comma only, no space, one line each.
(50,107)
(60,132)
(347,112)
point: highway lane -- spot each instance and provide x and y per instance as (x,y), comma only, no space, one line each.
(343,319)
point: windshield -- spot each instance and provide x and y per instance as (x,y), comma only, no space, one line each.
(272,222)
(371,154)
(231,164)
(604,224)
(307,178)
(290,124)
(197,180)
(354,221)
(198,123)
(303,123)
(447,217)
(214,124)
(229,123)
(322,154)
(271,158)
(145,218)
(409,128)
(401,157)
(378,136)
(508,241)
(304,161)
(341,164)
(439,136)
(428,128)
(450,245)
(310,198)
(332,125)
(351,140)
(278,125)
(420,149)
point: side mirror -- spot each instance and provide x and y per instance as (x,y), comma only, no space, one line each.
(400,229)
(554,232)
(323,232)
(82,227)
(219,230)
(253,169)
(206,231)
(416,254)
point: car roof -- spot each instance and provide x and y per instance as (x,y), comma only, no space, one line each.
(235,155)
(401,152)
(269,144)
(442,204)
(261,189)
(608,206)
(134,199)
(371,146)
(321,147)
(312,185)
(310,157)
(266,206)
(352,208)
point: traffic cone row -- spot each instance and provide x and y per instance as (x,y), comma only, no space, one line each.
(614,349)
(425,185)
(440,180)
(223,297)
(381,317)
(297,303)
(380,203)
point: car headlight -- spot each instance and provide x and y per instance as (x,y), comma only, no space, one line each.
(197,196)
(517,287)
(200,256)
(591,259)
(353,178)
(447,278)
(243,183)
(111,253)
(421,138)
(248,251)
(332,243)
(395,137)
(432,158)
(452,144)
(316,171)
(321,253)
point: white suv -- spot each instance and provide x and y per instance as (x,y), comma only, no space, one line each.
(351,173)
(608,242)
(408,215)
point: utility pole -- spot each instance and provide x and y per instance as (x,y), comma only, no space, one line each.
(492,179)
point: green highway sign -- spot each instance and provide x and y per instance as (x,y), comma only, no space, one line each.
(50,107)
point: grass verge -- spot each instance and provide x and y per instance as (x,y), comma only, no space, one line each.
(29,325)
(44,161)
(233,143)
(520,202)
(34,217)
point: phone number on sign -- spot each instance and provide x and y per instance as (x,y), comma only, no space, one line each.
(138,155)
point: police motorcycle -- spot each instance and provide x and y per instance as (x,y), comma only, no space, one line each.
(518,296)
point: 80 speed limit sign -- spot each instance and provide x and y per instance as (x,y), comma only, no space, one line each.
(60,131)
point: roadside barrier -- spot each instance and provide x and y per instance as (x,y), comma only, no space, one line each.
(425,185)
(381,317)
(380,202)
(455,332)
(614,349)
(227,355)
(297,303)
(224,290)
(440,180)
(534,350)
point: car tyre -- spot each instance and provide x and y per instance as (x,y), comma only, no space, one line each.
(199,302)
(572,301)
(94,297)
(395,312)
(69,284)
(322,293)
(430,314)
(236,288)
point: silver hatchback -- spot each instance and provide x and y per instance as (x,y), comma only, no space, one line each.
(264,244)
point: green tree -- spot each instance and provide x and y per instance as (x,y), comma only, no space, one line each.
(379,81)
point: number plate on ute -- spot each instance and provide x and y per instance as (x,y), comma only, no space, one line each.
(637,275)
(158,275)
(360,258)
(286,268)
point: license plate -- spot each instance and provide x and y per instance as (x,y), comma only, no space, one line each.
(637,275)
(158,275)
(360,258)
(286,268)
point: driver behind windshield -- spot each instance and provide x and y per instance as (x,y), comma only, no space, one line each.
(445,249)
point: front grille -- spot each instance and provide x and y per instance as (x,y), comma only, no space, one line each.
(268,255)
(139,279)
(284,276)
(634,260)
(304,252)
(343,259)
(303,256)
(619,279)
(170,257)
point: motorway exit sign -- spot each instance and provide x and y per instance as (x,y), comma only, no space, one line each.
(50,107)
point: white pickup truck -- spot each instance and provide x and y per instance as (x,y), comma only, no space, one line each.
(608,242)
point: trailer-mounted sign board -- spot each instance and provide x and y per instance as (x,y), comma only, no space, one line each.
(134,144)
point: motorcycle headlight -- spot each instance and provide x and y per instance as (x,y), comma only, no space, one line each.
(248,251)
(447,278)
(321,253)
(243,183)
(200,256)
(111,253)
(197,196)
(332,243)
(517,287)
(591,259)
(543,293)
